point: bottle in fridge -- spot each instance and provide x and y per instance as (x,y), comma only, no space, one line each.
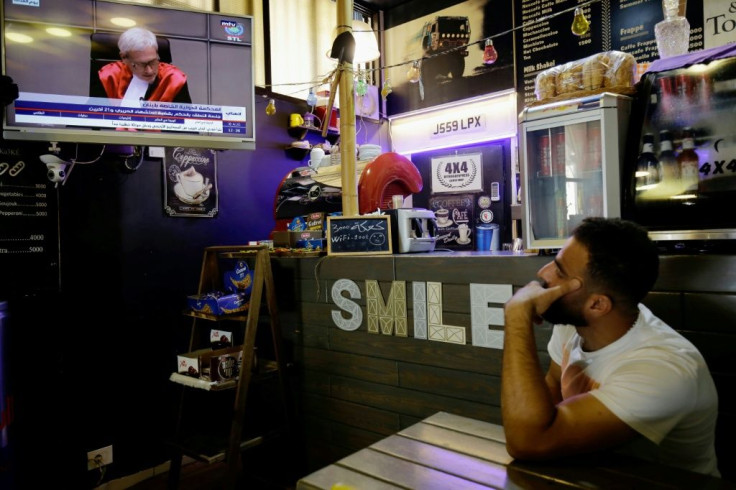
(687,102)
(647,166)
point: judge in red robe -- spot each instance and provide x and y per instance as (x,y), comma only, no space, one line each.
(140,75)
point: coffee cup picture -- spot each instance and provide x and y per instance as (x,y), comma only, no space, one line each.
(443,216)
(463,233)
(191,181)
(192,187)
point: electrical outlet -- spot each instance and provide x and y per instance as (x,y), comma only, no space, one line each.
(99,458)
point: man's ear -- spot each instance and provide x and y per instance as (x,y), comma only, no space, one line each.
(599,305)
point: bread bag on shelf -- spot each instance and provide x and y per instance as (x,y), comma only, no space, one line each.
(609,71)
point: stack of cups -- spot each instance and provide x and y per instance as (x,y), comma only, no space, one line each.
(368,152)
(335,155)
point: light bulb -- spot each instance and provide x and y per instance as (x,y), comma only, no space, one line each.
(490,55)
(580,25)
(386,89)
(271,107)
(414,73)
(311,98)
(361,88)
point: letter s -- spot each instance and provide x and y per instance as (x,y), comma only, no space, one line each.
(345,304)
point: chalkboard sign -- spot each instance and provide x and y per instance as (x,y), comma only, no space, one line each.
(358,235)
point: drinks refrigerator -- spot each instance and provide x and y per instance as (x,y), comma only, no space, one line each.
(571,155)
(686,104)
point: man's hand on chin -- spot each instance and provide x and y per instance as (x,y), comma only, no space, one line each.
(531,301)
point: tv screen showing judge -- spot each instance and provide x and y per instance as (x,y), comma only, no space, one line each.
(176,78)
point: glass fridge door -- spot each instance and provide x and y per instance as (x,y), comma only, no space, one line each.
(564,179)
(683,185)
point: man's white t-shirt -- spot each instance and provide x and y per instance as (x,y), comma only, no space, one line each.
(653,379)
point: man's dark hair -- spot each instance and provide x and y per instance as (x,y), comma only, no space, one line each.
(623,262)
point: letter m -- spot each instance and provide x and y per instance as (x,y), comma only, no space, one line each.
(383,316)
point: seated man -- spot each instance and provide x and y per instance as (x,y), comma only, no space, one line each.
(140,75)
(619,377)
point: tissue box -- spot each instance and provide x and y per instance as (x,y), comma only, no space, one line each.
(209,364)
(218,303)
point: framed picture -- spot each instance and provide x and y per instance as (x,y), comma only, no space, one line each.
(457,173)
(190,182)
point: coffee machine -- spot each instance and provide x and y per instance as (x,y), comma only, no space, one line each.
(412,230)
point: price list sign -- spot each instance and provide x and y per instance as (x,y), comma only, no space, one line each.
(28,224)
(546,40)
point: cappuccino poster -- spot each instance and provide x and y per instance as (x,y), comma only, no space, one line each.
(190,182)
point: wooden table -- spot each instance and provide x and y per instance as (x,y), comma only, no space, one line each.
(450,452)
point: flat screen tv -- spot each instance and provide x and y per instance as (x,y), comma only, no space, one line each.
(53,50)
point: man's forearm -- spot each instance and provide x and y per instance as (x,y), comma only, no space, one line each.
(526,404)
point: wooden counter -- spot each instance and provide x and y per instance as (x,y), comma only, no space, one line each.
(446,451)
(357,387)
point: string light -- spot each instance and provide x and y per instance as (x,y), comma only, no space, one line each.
(311,98)
(361,88)
(386,89)
(271,107)
(580,25)
(490,55)
(414,72)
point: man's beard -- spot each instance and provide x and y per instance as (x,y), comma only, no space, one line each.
(565,312)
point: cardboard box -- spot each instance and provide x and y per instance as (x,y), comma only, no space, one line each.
(219,339)
(289,238)
(238,279)
(315,244)
(212,365)
(315,221)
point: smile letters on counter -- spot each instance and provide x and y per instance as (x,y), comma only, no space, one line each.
(390,317)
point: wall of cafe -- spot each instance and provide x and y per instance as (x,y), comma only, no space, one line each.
(94,342)
(356,387)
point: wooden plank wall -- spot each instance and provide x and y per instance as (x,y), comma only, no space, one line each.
(355,388)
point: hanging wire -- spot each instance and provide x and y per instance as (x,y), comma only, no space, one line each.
(326,80)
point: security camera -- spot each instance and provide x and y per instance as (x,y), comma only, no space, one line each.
(56,168)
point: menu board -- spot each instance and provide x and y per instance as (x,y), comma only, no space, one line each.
(626,25)
(29,252)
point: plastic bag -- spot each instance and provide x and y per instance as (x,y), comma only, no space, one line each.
(607,70)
